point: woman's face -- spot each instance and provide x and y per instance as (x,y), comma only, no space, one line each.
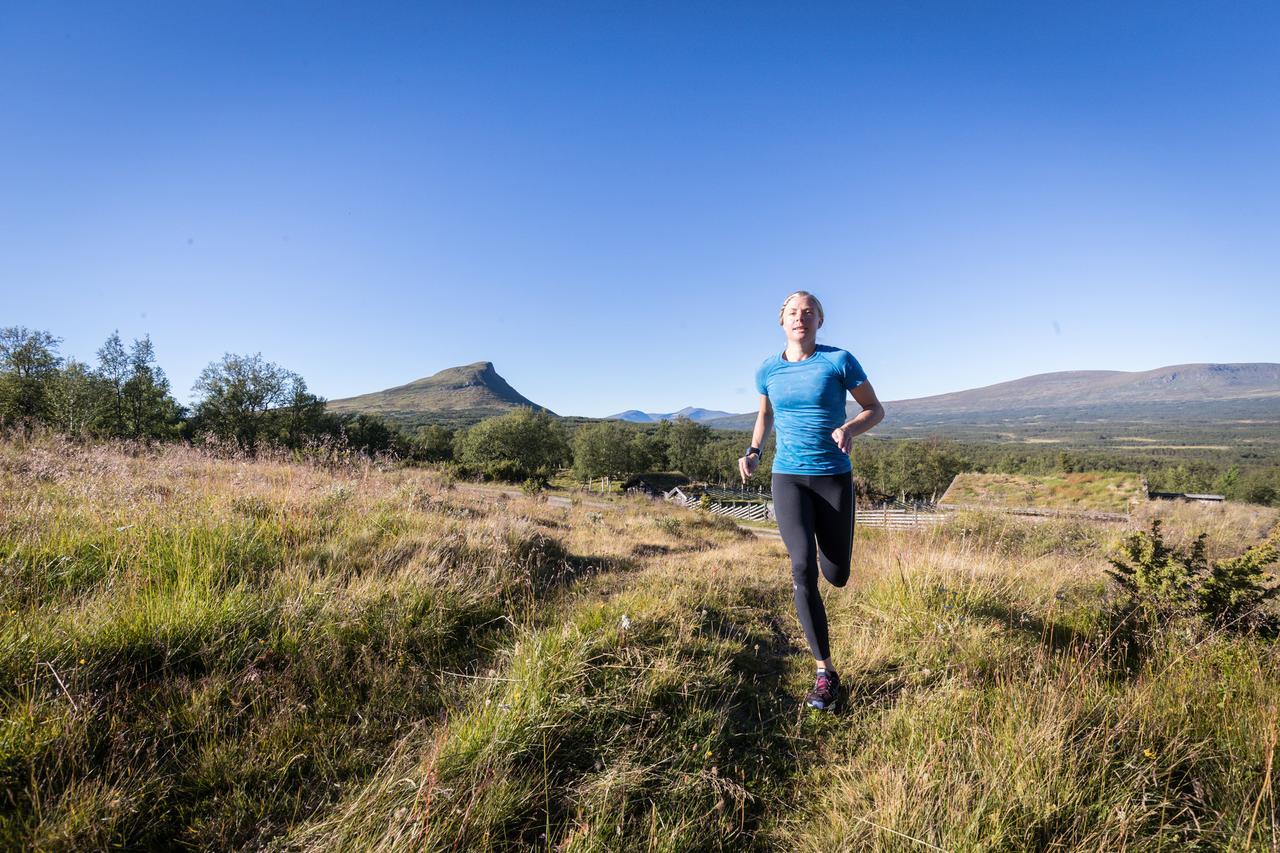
(800,320)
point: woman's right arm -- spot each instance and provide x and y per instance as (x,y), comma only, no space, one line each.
(764,422)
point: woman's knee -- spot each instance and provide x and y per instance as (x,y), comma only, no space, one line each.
(837,574)
(804,572)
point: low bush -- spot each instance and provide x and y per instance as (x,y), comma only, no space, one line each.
(1164,584)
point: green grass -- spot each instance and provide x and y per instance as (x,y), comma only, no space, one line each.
(199,653)
(1094,491)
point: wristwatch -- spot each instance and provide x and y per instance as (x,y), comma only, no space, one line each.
(751,450)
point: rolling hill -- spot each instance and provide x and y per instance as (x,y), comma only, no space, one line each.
(1176,406)
(1182,383)
(1211,407)
(466,393)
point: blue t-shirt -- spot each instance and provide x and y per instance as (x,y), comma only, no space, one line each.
(808,399)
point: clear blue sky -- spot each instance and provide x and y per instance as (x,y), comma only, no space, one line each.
(609,201)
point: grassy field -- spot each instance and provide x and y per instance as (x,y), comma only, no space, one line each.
(1094,491)
(208,653)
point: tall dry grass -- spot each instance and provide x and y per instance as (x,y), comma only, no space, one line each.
(214,652)
(987,710)
(203,650)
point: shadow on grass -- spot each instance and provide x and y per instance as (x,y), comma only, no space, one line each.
(1052,635)
(876,688)
(762,723)
(1119,647)
(578,567)
(647,549)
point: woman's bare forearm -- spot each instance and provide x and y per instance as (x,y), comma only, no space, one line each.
(764,422)
(864,420)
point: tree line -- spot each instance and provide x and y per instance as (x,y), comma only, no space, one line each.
(526,444)
(243,400)
(249,402)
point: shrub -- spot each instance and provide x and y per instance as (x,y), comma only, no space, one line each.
(605,448)
(1236,589)
(1156,578)
(515,446)
(1166,583)
(668,524)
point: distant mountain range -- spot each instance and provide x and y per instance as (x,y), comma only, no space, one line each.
(1230,401)
(1191,384)
(700,415)
(1181,407)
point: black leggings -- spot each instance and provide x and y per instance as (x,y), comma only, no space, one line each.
(807,506)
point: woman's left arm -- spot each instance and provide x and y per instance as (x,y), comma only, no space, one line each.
(872,413)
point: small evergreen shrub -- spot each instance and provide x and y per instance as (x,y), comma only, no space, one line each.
(1165,584)
(1236,589)
(667,524)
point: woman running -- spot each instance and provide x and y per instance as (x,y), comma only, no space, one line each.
(804,388)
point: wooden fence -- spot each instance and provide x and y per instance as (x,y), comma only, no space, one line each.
(743,512)
(896,517)
(891,516)
(725,493)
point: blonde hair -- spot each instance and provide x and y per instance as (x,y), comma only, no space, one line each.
(816,304)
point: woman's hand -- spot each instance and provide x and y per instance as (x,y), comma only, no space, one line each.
(747,466)
(842,439)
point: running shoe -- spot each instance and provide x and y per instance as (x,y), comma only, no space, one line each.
(825,692)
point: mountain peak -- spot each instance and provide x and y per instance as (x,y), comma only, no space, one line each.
(475,388)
